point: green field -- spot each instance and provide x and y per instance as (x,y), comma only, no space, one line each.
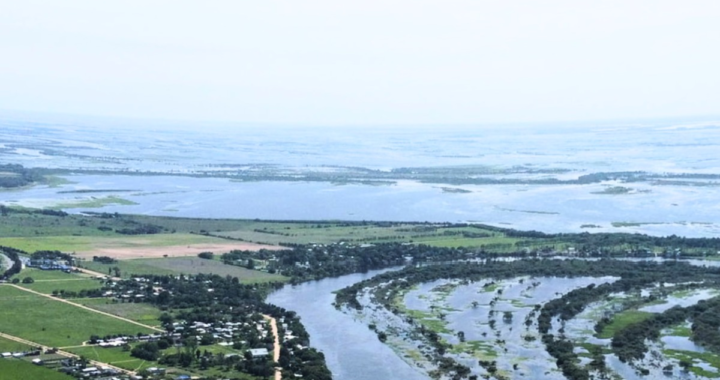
(112,355)
(53,323)
(622,320)
(7,345)
(138,312)
(49,275)
(184,265)
(48,281)
(14,369)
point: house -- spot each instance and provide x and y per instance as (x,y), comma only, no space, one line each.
(258,352)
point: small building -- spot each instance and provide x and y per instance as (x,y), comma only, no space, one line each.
(258,352)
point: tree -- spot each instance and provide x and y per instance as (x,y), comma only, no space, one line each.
(507,316)
(28,280)
(206,255)
(686,365)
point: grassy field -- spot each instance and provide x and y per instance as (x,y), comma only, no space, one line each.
(184,265)
(48,281)
(71,285)
(138,312)
(14,369)
(49,275)
(113,355)
(622,320)
(53,323)
(7,345)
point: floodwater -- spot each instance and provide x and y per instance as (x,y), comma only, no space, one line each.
(546,208)
(541,152)
(506,338)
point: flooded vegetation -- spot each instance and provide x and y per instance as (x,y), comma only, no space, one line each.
(545,319)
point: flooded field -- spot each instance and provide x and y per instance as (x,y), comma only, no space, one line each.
(491,328)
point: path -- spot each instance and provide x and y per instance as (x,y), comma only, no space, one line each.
(85,307)
(64,353)
(97,274)
(276,346)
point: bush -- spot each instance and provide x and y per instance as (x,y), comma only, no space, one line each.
(28,280)
(206,255)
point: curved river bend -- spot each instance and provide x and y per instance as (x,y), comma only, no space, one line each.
(352,351)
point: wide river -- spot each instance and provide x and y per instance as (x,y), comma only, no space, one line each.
(352,350)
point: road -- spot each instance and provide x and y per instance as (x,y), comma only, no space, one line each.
(85,307)
(64,353)
(276,349)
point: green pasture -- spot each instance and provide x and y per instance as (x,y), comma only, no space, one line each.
(139,312)
(54,323)
(112,355)
(15,369)
(7,345)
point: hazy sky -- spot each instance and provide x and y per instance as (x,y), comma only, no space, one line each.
(362,62)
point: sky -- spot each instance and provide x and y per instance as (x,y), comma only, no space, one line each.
(362,62)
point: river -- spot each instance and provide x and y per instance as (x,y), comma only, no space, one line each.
(352,351)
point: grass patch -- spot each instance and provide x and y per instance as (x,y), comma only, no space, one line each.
(138,312)
(49,275)
(93,202)
(680,330)
(13,369)
(622,320)
(55,181)
(72,285)
(481,350)
(708,357)
(53,323)
(112,355)
(7,345)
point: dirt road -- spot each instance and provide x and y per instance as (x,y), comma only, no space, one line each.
(276,350)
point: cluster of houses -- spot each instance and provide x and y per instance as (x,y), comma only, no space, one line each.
(20,354)
(46,264)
